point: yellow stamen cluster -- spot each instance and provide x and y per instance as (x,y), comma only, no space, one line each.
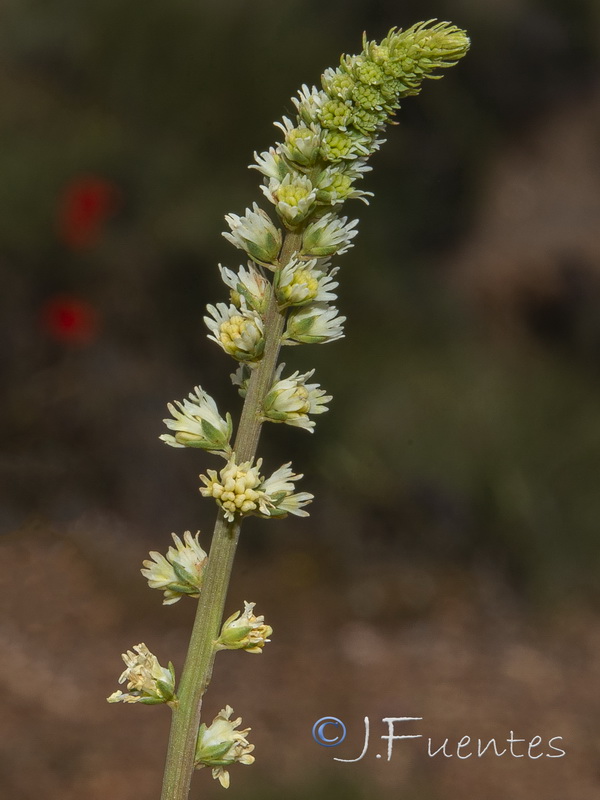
(232,330)
(336,186)
(292,194)
(305,279)
(235,489)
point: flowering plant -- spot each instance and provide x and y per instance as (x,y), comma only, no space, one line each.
(284,295)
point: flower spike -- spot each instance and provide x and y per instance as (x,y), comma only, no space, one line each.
(316,167)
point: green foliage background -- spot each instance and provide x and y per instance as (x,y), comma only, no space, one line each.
(449,566)
(445,439)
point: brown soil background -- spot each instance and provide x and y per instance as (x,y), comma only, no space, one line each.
(454,648)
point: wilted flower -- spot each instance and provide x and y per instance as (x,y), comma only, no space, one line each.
(147,681)
(180,572)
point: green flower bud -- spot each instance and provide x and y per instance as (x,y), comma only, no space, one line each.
(337,84)
(335,114)
(368,97)
(368,73)
(367,121)
(338,145)
(422,50)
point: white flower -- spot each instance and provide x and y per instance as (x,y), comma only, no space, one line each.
(197,423)
(277,496)
(337,83)
(147,681)
(309,103)
(244,631)
(344,146)
(255,234)
(302,143)
(220,745)
(301,282)
(240,489)
(180,572)
(316,323)
(335,186)
(292,504)
(336,114)
(328,235)
(292,399)
(358,168)
(239,331)
(248,283)
(271,164)
(294,198)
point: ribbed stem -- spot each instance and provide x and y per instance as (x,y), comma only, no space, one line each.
(209,614)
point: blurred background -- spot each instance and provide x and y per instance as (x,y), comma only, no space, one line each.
(449,568)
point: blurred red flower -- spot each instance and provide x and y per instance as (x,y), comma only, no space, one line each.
(85,205)
(69,319)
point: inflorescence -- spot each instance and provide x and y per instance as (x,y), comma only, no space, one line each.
(307,177)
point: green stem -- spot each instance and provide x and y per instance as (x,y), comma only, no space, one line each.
(209,614)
